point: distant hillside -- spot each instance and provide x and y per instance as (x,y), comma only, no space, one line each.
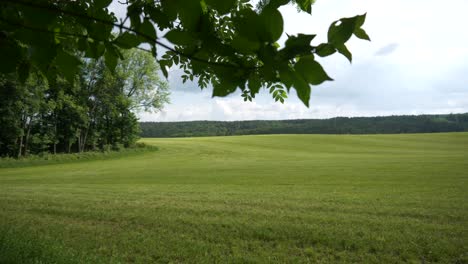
(339,125)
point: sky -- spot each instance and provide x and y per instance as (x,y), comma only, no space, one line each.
(416,63)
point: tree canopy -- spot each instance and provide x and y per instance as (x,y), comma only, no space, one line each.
(230,44)
(94,112)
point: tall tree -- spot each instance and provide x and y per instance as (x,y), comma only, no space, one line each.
(95,111)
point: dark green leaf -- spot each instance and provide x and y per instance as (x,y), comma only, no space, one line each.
(325,49)
(23,71)
(148,30)
(254,84)
(360,19)
(189,13)
(305,5)
(42,56)
(222,6)
(223,88)
(360,33)
(95,50)
(340,31)
(67,64)
(134,13)
(160,18)
(98,4)
(127,40)
(311,71)
(162,64)
(343,50)
(11,55)
(302,88)
(38,19)
(244,45)
(83,44)
(248,24)
(111,57)
(277,3)
(273,24)
(297,45)
(179,37)
(287,76)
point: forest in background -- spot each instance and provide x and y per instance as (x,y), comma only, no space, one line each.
(338,125)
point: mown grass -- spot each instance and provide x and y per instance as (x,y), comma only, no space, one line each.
(279,198)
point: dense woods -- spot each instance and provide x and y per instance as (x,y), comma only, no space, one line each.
(94,111)
(339,125)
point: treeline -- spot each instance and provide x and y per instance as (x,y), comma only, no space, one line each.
(339,125)
(92,110)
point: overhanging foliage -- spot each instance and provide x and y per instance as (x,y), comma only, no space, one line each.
(228,43)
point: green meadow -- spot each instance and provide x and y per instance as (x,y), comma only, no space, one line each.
(246,199)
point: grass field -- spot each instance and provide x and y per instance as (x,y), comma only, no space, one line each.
(279,198)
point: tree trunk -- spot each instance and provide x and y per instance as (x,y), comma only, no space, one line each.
(79,140)
(20,146)
(26,143)
(55,133)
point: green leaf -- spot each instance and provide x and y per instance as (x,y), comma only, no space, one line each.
(23,71)
(325,49)
(98,4)
(277,3)
(42,56)
(302,88)
(222,6)
(297,45)
(341,31)
(160,18)
(311,70)
(162,64)
(67,64)
(360,33)
(95,50)
(272,23)
(111,58)
(11,55)
(189,13)
(179,37)
(286,75)
(148,30)
(360,19)
(127,40)
(38,19)
(305,5)
(244,45)
(134,14)
(248,24)
(223,88)
(343,50)
(83,44)
(254,84)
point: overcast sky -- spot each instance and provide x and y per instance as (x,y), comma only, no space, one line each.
(416,63)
